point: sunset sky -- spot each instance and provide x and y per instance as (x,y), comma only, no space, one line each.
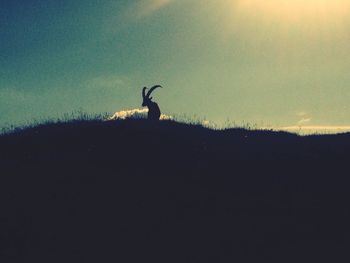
(275,63)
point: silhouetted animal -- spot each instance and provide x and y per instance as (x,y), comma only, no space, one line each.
(153,109)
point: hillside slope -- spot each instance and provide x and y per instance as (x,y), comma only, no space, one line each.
(131,191)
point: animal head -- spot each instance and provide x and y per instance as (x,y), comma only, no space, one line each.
(146,97)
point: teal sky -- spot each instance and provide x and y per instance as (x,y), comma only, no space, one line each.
(240,60)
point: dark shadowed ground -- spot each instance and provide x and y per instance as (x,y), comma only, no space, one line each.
(134,191)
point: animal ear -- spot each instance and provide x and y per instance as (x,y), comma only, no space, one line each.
(144,92)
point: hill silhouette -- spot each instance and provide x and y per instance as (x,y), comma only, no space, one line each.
(140,191)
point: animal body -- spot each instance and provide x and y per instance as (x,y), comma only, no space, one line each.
(153,108)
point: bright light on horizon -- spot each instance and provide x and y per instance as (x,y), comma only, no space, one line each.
(312,129)
(299,129)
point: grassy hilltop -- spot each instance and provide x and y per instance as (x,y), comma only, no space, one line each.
(137,191)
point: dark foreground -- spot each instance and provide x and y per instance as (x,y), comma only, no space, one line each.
(133,191)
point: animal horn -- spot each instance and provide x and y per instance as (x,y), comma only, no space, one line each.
(144,92)
(152,89)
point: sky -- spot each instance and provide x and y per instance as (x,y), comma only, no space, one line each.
(269,63)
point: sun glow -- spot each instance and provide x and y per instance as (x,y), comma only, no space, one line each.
(296,10)
(285,25)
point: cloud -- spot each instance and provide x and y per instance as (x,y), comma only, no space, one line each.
(301,113)
(107,81)
(134,113)
(304,118)
(133,13)
(304,121)
(148,7)
(144,8)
